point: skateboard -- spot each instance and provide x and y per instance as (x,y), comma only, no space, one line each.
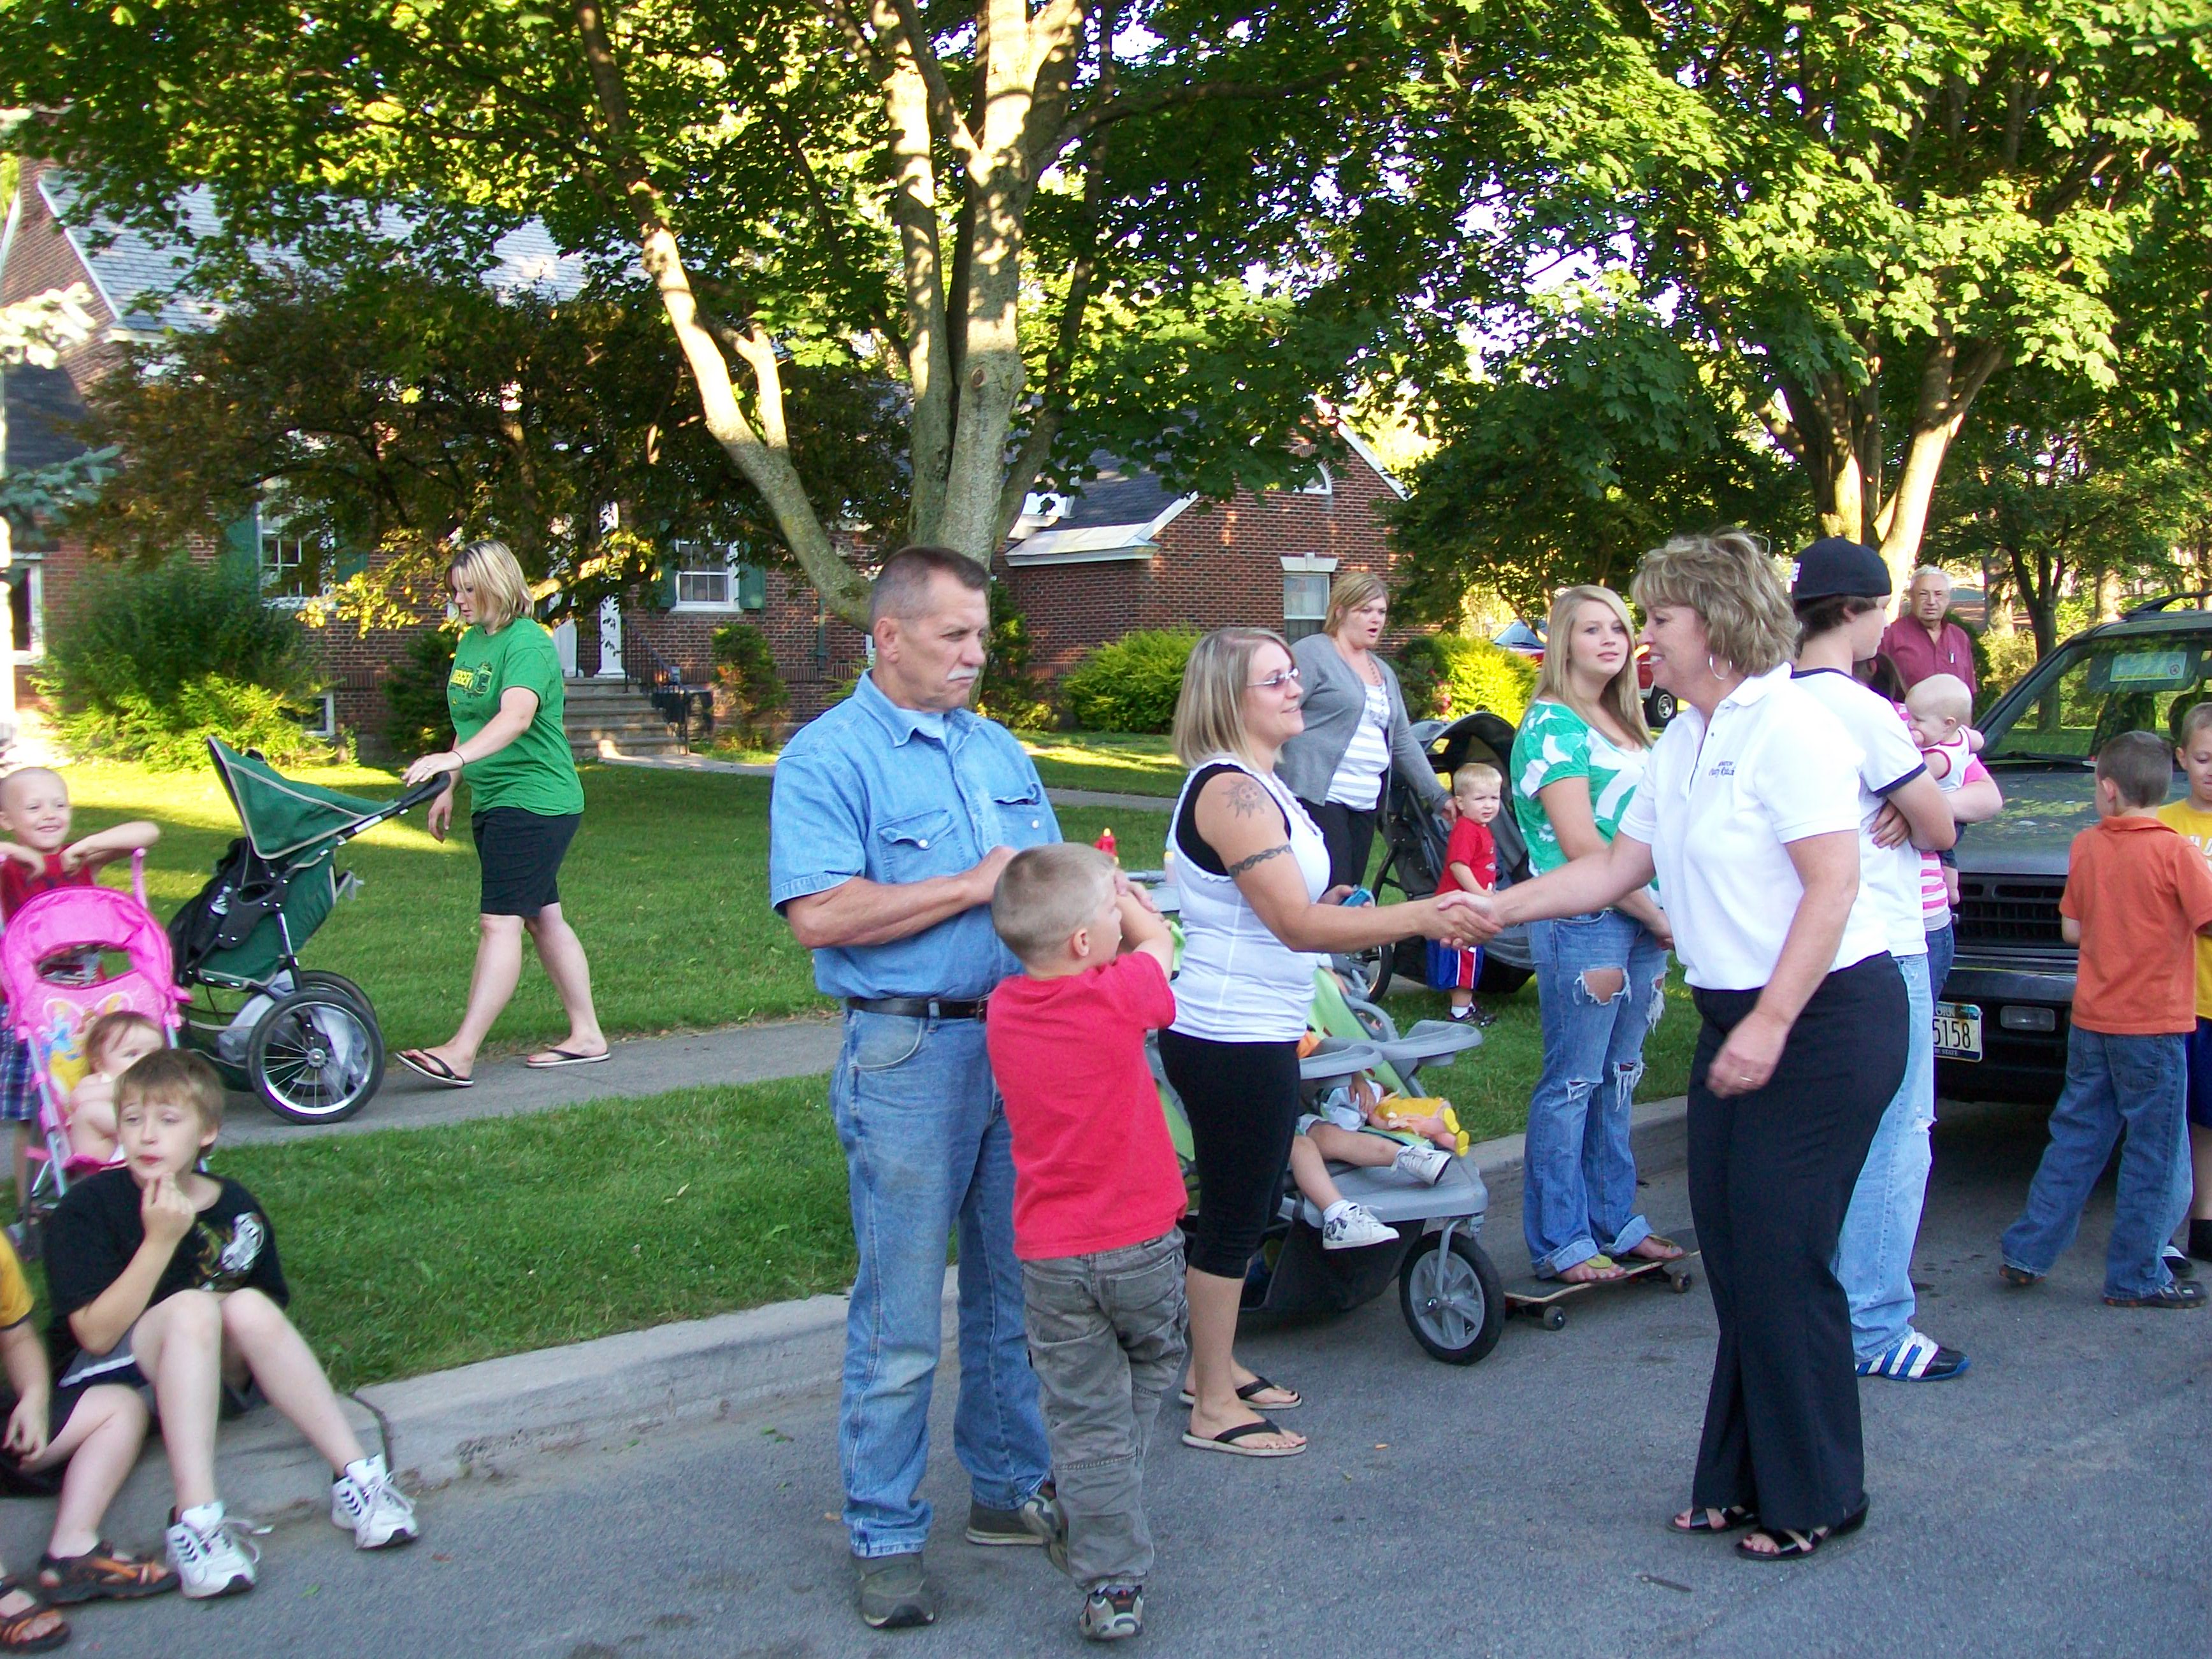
(1544,1300)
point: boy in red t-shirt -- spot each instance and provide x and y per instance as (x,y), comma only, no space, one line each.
(1097,1193)
(2137,897)
(34,809)
(1470,866)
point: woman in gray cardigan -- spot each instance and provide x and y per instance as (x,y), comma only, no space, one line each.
(1355,729)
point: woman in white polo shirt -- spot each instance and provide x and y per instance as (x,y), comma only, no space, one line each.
(1749,815)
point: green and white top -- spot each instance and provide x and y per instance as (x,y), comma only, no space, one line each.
(536,772)
(1554,744)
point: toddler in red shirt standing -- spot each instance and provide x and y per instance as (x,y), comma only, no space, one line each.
(1097,1193)
(1470,866)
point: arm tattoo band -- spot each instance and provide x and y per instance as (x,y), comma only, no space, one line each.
(1242,864)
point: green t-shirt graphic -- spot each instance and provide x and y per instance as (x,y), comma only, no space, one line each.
(536,772)
(1554,744)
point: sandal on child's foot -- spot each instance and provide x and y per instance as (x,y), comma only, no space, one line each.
(33,1629)
(1733,1518)
(1799,1545)
(103,1573)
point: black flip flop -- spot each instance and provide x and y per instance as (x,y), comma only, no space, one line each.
(567,1057)
(1734,1518)
(1231,1441)
(423,1063)
(1789,1546)
(1258,1385)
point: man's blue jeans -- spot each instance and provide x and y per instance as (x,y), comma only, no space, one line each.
(1874,1253)
(926,1147)
(1579,1194)
(2112,1083)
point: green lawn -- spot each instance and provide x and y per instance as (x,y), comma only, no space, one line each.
(1125,762)
(666,882)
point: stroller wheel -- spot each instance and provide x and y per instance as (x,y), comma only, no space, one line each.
(314,979)
(316,1056)
(1453,1300)
(1367,972)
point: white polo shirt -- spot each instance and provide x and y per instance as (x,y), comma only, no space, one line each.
(1890,874)
(1718,807)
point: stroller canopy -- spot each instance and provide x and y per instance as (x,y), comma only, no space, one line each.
(283,818)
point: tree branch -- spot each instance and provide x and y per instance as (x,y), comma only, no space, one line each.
(1124,106)
(943,113)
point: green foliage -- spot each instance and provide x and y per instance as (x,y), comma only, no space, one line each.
(1444,676)
(1130,684)
(745,671)
(1604,434)
(1009,691)
(417,720)
(2000,661)
(150,662)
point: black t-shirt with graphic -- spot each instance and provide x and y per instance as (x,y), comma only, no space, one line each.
(96,1230)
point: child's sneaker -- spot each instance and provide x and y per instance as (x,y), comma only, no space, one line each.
(213,1554)
(1348,1226)
(1423,1161)
(1112,1612)
(364,1501)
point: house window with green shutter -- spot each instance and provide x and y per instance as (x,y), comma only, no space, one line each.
(709,577)
(295,567)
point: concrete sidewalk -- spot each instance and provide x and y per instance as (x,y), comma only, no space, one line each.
(484,1420)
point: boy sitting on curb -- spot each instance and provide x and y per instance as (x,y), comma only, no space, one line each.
(2136,896)
(1098,1193)
(164,1277)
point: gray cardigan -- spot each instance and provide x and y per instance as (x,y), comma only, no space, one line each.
(1335,696)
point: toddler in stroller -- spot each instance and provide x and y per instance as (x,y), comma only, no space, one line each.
(1339,1132)
(113,1043)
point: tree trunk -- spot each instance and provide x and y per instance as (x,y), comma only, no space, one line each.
(1950,379)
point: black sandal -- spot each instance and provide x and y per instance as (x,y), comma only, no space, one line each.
(1733,1517)
(1799,1545)
(1249,1393)
(15,1626)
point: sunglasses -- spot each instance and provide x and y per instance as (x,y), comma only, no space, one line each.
(1277,681)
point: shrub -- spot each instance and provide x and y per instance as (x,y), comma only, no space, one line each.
(152,662)
(1130,685)
(1444,676)
(2000,660)
(744,671)
(417,720)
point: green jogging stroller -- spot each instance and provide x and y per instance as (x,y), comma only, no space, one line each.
(307,1043)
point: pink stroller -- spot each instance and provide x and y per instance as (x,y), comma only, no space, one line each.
(59,970)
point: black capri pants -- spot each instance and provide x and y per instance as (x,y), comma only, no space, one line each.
(1771,1175)
(519,852)
(1241,1099)
(1348,832)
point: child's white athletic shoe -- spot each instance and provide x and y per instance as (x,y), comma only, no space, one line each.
(1348,1226)
(1423,1161)
(213,1554)
(364,1501)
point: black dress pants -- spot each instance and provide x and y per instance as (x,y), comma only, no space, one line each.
(1770,1176)
(1348,832)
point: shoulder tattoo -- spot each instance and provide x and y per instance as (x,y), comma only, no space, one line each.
(1246,797)
(1262,857)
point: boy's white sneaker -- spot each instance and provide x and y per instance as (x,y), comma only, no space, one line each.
(213,1554)
(365,1503)
(1424,1161)
(1348,1226)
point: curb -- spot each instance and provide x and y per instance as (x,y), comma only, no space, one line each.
(488,1419)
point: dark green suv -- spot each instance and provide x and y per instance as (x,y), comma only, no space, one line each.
(2001,1028)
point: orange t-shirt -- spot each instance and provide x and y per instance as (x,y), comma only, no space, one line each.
(2140,892)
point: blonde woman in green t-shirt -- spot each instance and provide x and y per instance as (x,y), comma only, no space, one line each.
(506,697)
(1577,758)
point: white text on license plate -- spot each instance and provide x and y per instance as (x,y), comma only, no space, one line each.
(1958,1031)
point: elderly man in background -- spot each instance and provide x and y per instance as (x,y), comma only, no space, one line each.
(1923,641)
(892,815)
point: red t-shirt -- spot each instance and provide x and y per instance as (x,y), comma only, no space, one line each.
(1471,844)
(2140,892)
(18,886)
(1094,1169)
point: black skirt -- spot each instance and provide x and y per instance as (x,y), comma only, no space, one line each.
(520,852)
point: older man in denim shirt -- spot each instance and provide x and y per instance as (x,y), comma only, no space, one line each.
(893,814)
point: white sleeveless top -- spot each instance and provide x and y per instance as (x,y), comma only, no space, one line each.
(1238,982)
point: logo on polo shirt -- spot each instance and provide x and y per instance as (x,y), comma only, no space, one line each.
(1723,769)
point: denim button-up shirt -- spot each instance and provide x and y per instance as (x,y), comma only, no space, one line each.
(866,789)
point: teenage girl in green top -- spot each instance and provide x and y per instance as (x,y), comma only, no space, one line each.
(505,694)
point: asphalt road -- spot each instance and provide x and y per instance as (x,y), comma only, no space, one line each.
(2055,1501)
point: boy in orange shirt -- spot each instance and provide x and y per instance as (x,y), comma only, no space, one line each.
(2136,896)
(2191,817)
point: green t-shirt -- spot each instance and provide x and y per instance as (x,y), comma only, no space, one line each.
(536,772)
(1555,743)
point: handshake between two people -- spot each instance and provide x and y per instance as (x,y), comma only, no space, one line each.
(1459,918)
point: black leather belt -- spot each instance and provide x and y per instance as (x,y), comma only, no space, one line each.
(918,1007)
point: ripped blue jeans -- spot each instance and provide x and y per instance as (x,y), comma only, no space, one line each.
(1579,1198)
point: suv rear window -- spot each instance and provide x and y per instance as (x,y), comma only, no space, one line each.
(2092,690)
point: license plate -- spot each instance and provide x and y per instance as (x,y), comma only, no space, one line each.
(1958,1031)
